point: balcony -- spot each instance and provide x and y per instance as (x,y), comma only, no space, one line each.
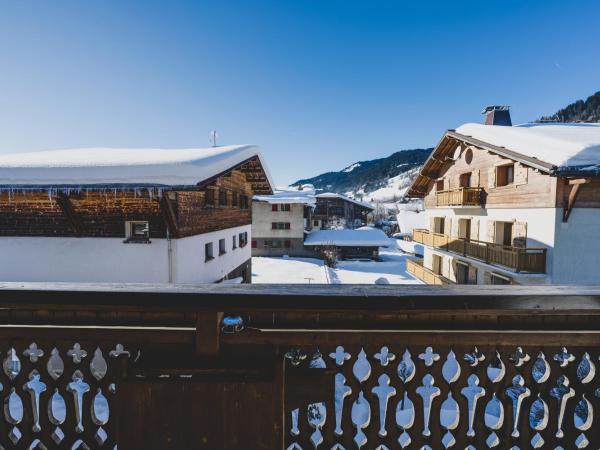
(156,367)
(416,268)
(466,196)
(519,259)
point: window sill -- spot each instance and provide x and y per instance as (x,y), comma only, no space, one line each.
(137,241)
(209,259)
(222,253)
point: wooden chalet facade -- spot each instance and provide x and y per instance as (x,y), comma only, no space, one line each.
(153,231)
(501,213)
(336,210)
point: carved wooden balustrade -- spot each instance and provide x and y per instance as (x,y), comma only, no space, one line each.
(299,367)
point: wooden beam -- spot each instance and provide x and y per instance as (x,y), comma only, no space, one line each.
(208,333)
(169,215)
(64,203)
(576,181)
(571,201)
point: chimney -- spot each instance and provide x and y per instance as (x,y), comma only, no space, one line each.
(497,115)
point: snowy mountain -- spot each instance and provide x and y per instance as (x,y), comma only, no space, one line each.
(587,110)
(382,180)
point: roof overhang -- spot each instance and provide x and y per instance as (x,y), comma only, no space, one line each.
(441,157)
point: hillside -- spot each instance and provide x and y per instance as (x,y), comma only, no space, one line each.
(364,177)
(587,110)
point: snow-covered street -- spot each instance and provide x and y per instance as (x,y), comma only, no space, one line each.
(391,270)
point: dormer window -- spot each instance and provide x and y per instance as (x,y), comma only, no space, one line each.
(137,232)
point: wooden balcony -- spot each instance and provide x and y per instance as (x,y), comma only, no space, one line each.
(153,367)
(470,196)
(416,268)
(531,259)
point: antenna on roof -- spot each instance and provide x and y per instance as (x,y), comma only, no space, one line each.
(213,137)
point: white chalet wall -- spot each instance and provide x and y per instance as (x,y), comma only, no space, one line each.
(189,265)
(110,260)
(577,250)
(82,260)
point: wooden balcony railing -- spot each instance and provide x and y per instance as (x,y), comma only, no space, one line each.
(519,259)
(415,267)
(469,196)
(308,367)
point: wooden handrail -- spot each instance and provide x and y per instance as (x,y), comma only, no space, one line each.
(526,259)
(464,196)
(416,267)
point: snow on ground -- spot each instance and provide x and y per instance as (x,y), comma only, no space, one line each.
(391,270)
(287,270)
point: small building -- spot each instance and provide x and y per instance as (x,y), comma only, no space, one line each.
(280,221)
(348,244)
(129,215)
(511,204)
(338,211)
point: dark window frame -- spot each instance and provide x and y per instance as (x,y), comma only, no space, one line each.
(209,197)
(223,198)
(222,246)
(209,254)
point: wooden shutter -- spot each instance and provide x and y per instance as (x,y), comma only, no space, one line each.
(475,229)
(492,177)
(519,237)
(472,274)
(446,267)
(432,224)
(491,231)
(475,178)
(487,278)
(448,226)
(521,173)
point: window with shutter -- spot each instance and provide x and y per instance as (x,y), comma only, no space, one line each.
(273,207)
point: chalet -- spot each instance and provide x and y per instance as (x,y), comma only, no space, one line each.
(360,243)
(338,211)
(511,204)
(129,215)
(280,221)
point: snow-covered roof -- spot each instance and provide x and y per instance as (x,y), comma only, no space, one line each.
(294,195)
(343,197)
(559,144)
(109,166)
(371,237)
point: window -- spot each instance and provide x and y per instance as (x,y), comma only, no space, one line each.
(285,207)
(209,197)
(243,239)
(234,240)
(234,199)
(274,207)
(438,225)
(254,243)
(462,273)
(222,198)
(287,243)
(208,251)
(137,232)
(222,247)
(315,223)
(505,175)
(439,185)
(243,201)
(280,225)
(465,180)
(436,265)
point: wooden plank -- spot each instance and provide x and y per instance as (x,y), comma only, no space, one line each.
(571,202)
(208,333)
(68,210)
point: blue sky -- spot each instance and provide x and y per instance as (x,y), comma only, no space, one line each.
(317,84)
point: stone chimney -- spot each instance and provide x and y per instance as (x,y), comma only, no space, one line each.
(497,115)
